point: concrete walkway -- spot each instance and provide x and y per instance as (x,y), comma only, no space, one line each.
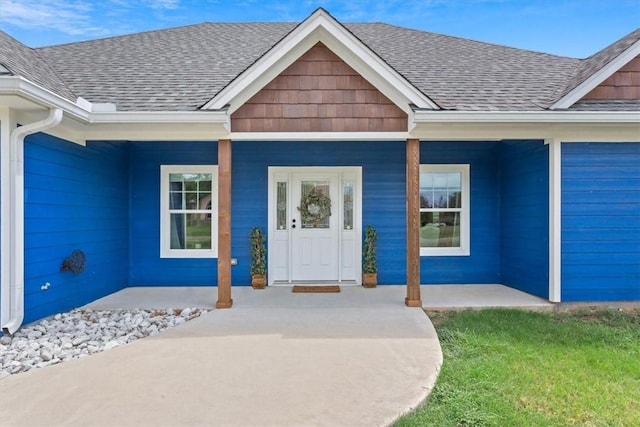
(356,358)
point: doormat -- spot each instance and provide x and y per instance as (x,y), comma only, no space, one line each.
(316,289)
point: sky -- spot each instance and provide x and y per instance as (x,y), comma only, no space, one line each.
(576,28)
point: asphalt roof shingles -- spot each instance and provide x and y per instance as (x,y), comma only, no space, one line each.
(468,75)
(596,62)
(26,62)
(180,69)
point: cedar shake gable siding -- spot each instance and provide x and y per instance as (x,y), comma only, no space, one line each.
(623,84)
(319,93)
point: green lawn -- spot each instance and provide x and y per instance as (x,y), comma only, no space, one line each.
(519,368)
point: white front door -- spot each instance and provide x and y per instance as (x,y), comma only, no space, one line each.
(314,225)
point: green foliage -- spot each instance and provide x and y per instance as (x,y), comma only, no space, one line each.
(519,368)
(369,256)
(321,205)
(258,252)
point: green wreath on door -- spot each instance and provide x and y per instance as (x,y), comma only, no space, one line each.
(315,207)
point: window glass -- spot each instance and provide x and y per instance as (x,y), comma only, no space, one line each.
(347,192)
(188,226)
(442,209)
(440,229)
(190,231)
(281,205)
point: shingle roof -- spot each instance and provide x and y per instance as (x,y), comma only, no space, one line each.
(469,75)
(26,62)
(180,69)
(596,62)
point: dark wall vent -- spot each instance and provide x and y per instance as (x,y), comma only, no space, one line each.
(74,263)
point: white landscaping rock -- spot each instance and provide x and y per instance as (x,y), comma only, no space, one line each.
(83,332)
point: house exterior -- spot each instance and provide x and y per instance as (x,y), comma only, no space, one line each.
(156,153)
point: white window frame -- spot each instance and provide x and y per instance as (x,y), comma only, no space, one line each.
(465,213)
(165,214)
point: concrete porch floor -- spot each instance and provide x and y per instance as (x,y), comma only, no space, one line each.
(356,358)
(433,297)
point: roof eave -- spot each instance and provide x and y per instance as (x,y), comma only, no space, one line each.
(19,86)
(81,123)
(561,125)
(82,109)
(422,116)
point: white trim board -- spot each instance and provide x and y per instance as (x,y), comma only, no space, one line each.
(555,219)
(525,117)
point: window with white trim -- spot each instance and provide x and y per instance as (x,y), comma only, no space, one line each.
(444,210)
(188,211)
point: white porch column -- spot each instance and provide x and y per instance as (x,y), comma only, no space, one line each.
(555,218)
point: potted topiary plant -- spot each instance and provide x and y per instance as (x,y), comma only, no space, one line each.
(258,259)
(369,258)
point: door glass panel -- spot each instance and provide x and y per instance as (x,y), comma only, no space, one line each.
(348,205)
(281,205)
(315,204)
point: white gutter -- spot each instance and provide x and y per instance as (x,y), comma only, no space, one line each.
(14,305)
(16,85)
(526,116)
(121,117)
(88,113)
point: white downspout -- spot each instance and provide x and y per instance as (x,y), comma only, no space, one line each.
(14,305)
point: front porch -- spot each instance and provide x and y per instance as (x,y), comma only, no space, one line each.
(433,297)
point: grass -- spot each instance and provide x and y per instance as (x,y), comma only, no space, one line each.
(518,368)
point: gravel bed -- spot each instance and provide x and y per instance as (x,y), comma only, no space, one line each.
(82,332)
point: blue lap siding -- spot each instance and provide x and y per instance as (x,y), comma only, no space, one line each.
(383,175)
(509,215)
(524,216)
(76,198)
(483,263)
(104,199)
(146,267)
(600,221)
